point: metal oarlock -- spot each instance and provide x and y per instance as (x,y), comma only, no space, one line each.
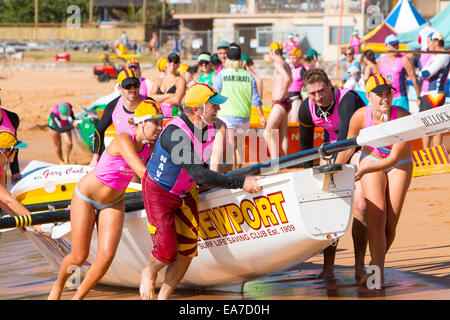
(333,240)
(323,155)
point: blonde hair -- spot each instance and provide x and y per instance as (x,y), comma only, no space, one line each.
(234,64)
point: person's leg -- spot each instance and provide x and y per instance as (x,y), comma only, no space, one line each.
(293,114)
(374,188)
(272,132)
(56,137)
(359,232)
(109,226)
(82,221)
(174,273)
(160,206)
(148,278)
(426,142)
(284,137)
(66,137)
(399,180)
(437,140)
(329,254)
(359,226)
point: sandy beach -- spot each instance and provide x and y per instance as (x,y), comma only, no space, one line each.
(419,257)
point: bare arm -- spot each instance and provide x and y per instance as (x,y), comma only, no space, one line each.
(123,146)
(154,91)
(218,149)
(407,64)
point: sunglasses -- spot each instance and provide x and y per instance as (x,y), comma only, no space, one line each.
(132,85)
(203,63)
(173,61)
(7,151)
(348,54)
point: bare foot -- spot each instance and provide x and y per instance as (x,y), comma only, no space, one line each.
(326,275)
(361,278)
(147,287)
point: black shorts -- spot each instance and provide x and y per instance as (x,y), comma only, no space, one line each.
(295,95)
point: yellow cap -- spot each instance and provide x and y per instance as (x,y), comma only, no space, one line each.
(275,46)
(147,110)
(9,140)
(377,83)
(127,76)
(182,69)
(296,52)
(161,64)
(132,62)
(200,93)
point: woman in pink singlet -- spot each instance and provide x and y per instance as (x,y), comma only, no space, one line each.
(99,198)
(384,172)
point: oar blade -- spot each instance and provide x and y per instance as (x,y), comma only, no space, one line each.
(419,125)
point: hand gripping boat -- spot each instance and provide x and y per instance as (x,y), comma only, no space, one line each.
(241,236)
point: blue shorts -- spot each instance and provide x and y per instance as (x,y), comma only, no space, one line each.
(401,102)
(236,123)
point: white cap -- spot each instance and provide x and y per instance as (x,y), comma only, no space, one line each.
(353,70)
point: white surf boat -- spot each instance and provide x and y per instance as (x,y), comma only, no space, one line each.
(242,236)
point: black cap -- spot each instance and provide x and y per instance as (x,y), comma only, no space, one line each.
(234,52)
(173,57)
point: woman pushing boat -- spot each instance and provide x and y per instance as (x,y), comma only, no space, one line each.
(8,149)
(99,198)
(385,172)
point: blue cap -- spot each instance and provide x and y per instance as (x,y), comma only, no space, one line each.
(391,39)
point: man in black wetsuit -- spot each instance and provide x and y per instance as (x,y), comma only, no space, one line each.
(177,165)
(333,109)
(118,111)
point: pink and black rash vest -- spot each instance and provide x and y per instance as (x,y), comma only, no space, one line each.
(337,120)
(332,123)
(179,158)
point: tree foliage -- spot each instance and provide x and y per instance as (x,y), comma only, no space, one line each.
(50,11)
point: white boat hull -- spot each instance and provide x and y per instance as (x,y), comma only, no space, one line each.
(292,219)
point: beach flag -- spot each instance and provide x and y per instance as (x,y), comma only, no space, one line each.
(433,160)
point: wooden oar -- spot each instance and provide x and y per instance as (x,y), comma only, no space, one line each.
(55,216)
(426,123)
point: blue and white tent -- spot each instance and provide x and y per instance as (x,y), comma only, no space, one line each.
(404,17)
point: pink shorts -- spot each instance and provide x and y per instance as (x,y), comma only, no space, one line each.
(173,220)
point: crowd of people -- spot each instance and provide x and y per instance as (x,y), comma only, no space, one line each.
(210,108)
